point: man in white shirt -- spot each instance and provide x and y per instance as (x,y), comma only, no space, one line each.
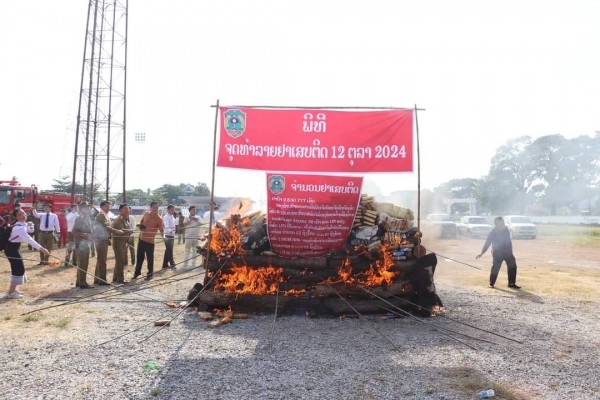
(192,234)
(216,215)
(48,226)
(71,217)
(169,226)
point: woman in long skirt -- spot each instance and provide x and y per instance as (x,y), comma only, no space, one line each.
(18,235)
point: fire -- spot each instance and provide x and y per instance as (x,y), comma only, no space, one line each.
(246,280)
(378,273)
(226,242)
(344,273)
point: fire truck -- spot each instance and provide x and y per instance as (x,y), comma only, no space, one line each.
(12,192)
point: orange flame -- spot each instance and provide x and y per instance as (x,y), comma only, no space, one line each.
(246,280)
(226,242)
(378,273)
(344,274)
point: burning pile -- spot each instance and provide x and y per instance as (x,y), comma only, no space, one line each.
(377,262)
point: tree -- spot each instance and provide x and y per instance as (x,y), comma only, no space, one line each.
(64,184)
(512,176)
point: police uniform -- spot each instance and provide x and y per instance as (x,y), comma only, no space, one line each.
(82,230)
(119,245)
(102,232)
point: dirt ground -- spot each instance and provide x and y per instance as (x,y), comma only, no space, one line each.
(550,270)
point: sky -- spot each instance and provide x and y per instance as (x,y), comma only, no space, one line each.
(484,72)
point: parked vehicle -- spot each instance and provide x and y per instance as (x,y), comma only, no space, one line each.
(520,226)
(439,225)
(12,192)
(474,226)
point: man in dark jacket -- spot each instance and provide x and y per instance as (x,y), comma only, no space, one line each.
(499,238)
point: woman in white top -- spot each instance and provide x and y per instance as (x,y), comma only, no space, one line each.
(18,235)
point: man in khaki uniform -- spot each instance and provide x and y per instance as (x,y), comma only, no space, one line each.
(119,243)
(82,231)
(103,232)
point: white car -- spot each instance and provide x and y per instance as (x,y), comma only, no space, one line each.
(439,226)
(520,226)
(474,226)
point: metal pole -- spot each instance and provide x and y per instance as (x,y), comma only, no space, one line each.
(418,172)
(98,73)
(212,190)
(124,196)
(112,59)
(329,107)
(87,26)
(89,108)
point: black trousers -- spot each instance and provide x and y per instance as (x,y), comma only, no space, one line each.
(511,264)
(168,260)
(17,267)
(144,250)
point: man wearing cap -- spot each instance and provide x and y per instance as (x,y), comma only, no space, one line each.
(48,225)
(103,232)
(119,243)
(82,232)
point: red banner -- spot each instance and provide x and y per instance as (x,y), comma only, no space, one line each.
(307,140)
(310,215)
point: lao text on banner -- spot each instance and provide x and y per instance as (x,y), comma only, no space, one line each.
(310,215)
(307,140)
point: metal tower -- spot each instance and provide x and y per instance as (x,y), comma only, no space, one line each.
(100,135)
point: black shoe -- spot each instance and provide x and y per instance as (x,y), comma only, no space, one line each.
(514,286)
(86,287)
(491,286)
(135,276)
(103,283)
(148,277)
(41,263)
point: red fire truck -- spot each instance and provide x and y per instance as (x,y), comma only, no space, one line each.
(12,192)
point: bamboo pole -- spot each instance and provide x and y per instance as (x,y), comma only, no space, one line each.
(212,187)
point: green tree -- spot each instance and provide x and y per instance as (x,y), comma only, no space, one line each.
(512,176)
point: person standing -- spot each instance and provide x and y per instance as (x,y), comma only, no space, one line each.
(192,225)
(62,222)
(71,217)
(170,227)
(150,224)
(180,228)
(103,232)
(48,226)
(119,243)
(502,250)
(130,239)
(18,235)
(216,215)
(36,227)
(82,232)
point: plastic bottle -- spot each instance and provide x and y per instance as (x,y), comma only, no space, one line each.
(486,394)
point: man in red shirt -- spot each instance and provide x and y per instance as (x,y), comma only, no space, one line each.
(150,224)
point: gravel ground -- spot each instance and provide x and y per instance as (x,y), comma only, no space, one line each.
(307,358)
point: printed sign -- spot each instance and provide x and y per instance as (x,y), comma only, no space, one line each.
(310,215)
(307,140)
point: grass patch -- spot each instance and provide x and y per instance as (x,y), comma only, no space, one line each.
(581,234)
(63,322)
(469,381)
(34,317)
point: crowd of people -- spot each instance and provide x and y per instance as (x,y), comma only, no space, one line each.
(86,233)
